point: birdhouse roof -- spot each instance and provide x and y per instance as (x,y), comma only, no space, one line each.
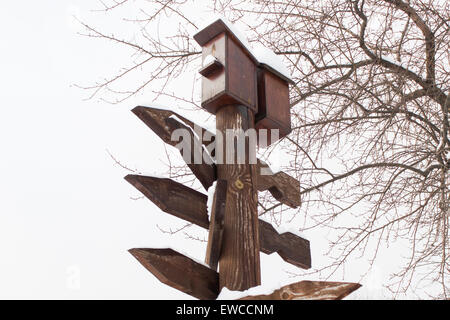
(219,26)
(272,62)
(262,56)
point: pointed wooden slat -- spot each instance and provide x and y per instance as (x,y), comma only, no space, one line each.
(163,123)
(282,186)
(185,203)
(310,290)
(290,247)
(174,198)
(216,225)
(180,272)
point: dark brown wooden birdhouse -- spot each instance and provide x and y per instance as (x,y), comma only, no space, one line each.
(229,69)
(273,102)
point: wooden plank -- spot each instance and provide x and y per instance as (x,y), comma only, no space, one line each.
(282,186)
(214,247)
(310,290)
(273,105)
(290,247)
(164,123)
(185,203)
(174,198)
(179,272)
(240,259)
(211,69)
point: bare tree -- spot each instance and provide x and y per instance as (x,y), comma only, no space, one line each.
(370,113)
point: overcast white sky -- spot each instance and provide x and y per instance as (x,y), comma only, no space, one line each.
(66,217)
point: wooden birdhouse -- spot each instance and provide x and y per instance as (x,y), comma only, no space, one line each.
(229,69)
(273,101)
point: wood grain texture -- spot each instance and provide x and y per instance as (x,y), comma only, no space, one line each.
(204,36)
(240,85)
(164,123)
(239,261)
(216,225)
(179,272)
(214,87)
(211,69)
(241,76)
(185,203)
(273,104)
(290,247)
(174,198)
(282,186)
(310,290)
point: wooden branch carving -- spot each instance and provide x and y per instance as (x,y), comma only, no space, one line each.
(163,125)
(174,198)
(185,203)
(289,246)
(282,186)
(179,272)
(310,290)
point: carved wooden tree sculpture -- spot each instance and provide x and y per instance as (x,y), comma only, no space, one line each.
(243,93)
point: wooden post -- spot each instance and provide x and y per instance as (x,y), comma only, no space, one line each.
(239,261)
(215,236)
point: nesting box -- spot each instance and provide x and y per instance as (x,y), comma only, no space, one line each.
(273,102)
(229,69)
